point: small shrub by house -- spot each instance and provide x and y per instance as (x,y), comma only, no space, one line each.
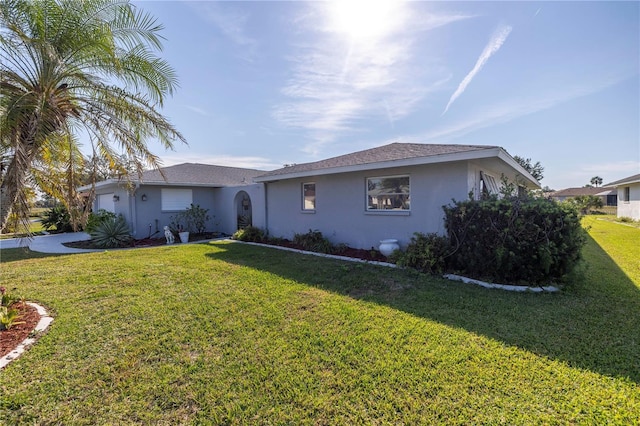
(249,234)
(425,252)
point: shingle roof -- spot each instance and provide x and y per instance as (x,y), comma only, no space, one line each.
(201,174)
(586,190)
(392,152)
(630,179)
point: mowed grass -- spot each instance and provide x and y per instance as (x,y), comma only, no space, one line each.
(226,333)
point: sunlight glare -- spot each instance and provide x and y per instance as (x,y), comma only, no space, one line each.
(365,19)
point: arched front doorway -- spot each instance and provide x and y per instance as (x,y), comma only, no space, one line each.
(243,210)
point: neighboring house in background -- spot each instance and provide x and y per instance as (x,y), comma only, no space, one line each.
(628,196)
(607,194)
(150,202)
(387,192)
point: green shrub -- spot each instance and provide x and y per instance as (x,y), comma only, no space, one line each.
(8,314)
(57,218)
(112,233)
(250,233)
(313,241)
(6,298)
(425,252)
(532,240)
(586,203)
(193,219)
(95,219)
(625,219)
(8,317)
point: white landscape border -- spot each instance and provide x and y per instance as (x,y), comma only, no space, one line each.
(43,324)
(508,287)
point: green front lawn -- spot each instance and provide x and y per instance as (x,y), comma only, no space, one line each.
(237,334)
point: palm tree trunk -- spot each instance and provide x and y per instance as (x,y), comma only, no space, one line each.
(14,182)
(9,192)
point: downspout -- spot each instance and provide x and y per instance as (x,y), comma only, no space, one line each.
(266,209)
(133,211)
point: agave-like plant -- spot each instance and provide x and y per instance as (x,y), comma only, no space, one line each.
(112,233)
(8,317)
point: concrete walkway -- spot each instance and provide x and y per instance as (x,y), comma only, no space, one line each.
(51,243)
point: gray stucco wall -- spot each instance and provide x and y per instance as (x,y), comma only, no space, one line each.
(147,212)
(229,202)
(223,205)
(341,212)
(629,208)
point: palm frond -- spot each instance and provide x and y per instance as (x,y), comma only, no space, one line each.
(69,66)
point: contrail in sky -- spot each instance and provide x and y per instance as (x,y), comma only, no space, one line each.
(496,42)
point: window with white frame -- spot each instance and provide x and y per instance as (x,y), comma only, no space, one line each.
(489,185)
(176,199)
(309,196)
(388,193)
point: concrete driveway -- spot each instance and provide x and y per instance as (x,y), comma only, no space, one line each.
(51,243)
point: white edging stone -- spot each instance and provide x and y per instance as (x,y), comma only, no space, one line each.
(45,321)
(521,288)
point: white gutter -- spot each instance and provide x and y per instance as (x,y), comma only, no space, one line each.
(414,161)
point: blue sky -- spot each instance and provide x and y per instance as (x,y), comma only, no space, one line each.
(263,84)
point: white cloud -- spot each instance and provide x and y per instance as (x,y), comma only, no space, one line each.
(231,23)
(198,111)
(347,75)
(491,115)
(497,40)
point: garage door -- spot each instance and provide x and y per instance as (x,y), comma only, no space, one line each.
(105,201)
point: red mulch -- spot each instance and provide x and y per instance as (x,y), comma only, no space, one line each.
(10,339)
(369,255)
(145,242)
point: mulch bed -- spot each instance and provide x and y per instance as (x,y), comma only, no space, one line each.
(368,255)
(10,339)
(144,242)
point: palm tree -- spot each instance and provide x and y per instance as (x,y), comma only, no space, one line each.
(71,68)
(596,181)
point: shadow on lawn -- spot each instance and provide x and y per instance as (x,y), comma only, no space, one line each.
(24,253)
(593,325)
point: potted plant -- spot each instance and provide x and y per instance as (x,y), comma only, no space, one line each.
(178,228)
(193,219)
(184,235)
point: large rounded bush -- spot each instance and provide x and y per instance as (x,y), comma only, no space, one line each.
(519,241)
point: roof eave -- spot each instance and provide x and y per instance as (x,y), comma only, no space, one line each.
(163,183)
(99,185)
(623,182)
(504,156)
(414,161)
